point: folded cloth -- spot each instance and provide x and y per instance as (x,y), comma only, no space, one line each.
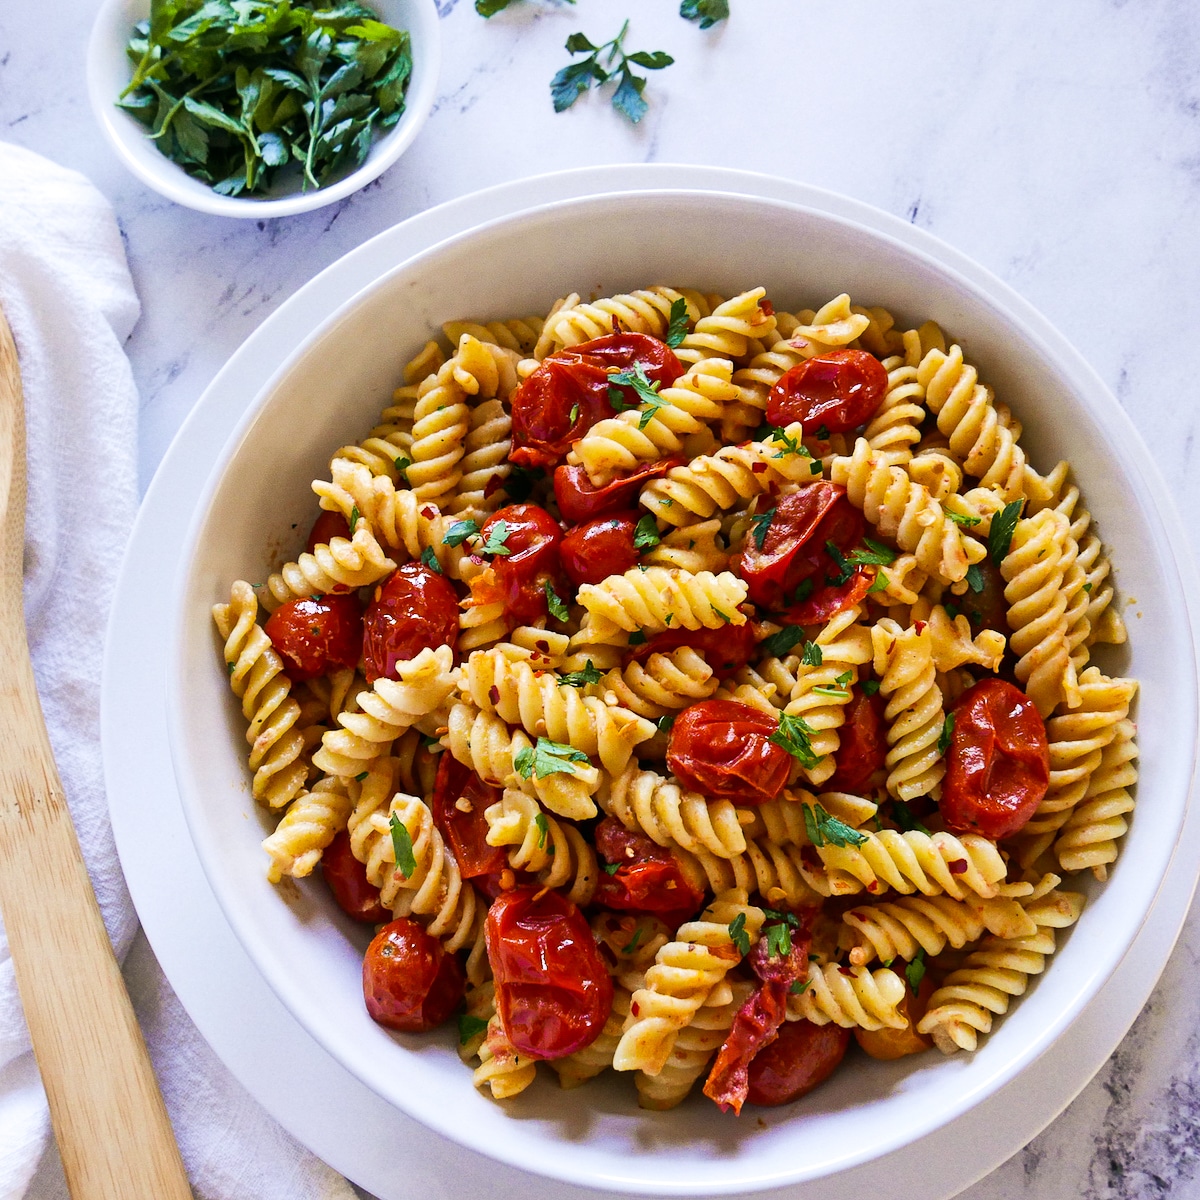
(66,292)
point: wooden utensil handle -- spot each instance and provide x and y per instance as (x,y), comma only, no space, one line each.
(108,1115)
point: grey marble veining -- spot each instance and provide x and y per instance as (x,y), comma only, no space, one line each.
(1059,145)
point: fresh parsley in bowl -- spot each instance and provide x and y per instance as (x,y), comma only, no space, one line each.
(262,107)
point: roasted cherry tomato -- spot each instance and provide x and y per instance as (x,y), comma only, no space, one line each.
(826,601)
(839,390)
(722,748)
(648,878)
(726,650)
(460,798)
(410,982)
(801,1057)
(356,896)
(317,635)
(553,992)
(795,545)
(998,764)
(413,608)
(569,392)
(580,500)
(532,538)
(325,528)
(863,743)
(593,551)
(888,1043)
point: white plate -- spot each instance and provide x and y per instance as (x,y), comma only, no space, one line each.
(139,774)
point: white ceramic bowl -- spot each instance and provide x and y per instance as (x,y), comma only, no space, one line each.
(259,504)
(109,71)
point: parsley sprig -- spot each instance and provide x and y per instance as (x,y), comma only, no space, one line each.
(645,533)
(677,326)
(738,935)
(578,679)
(1001,533)
(794,735)
(826,830)
(547,758)
(707,12)
(645,388)
(402,845)
(605,63)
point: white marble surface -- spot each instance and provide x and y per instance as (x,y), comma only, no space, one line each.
(1057,144)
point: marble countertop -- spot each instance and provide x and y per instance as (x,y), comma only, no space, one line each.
(1059,145)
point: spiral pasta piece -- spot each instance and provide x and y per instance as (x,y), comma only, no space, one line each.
(256,676)
(895,427)
(502,1070)
(546,708)
(730,330)
(852,997)
(919,862)
(341,565)
(1089,838)
(772,677)
(914,716)
(517,333)
(964,1006)
(692,548)
(731,475)
(981,437)
(587,1063)
(484,465)
(952,643)
(553,851)
(483,742)
(598,641)
(422,687)
(644,311)
(663,684)
(834,325)
(684,974)
(822,692)
(646,802)
(1037,609)
(779,873)
(905,511)
(311,822)
(660,598)
(441,421)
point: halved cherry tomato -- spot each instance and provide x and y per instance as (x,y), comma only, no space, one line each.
(466,828)
(726,650)
(839,390)
(888,1043)
(828,600)
(356,896)
(532,538)
(998,764)
(722,748)
(648,878)
(580,500)
(317,635)
(410,982)
(593,551)
(325,528)
(553,992)
(801,1057)
(795,545)
(863,743)
(568,393)
(413,608)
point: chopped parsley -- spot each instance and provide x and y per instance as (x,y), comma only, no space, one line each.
(869,686)
(402,464)
(631,945)
(459,532)
(835,693)
(469,1027)
(554,602)
(678,327)
(578,679)
(760,525)
(611,868)
(645,388)
(574,413)
(826,830)
(845,570)
(779,941)
(905,819)
(430,560)
(879,584)
(791,445)
(963,519)
(355,517)
(402,845)
(637,637)
(975,578)
(645,533)
(738,935)
(812,656)
(781,643)
(664,723)
(794,734)
(946,734)
(915,971)
(798,986)
(1003,524)
(543,828)
(497,536)
(547,758)
(707,12)
(876,554)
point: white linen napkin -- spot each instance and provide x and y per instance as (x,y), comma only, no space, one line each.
(66,291)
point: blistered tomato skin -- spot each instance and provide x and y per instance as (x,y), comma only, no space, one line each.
(410,982)
(314,635)
(581,500)
(533,539)
(839,390)
(414,608)
(648,878)
(801,1058)
(325,528)
(998,762)
(553,992)
(725,650)
(597,549)
(722,748)
(862,749)
(356,896)
(460,799)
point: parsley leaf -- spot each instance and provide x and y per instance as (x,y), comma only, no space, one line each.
(468,1026)
(738,934)
(578,679)
(707,12)
(1003,524)
(645,533)
(879,584)
(496,538)
(664,723)
(963,519)
(402,845)
(975,578)
(355,517)
(631,945)
(905,819)
(611,868)
(402,464)
(605,64)
(798,986)
(519,484)
(547,758)
(430,560)
(947,733)
(915,971)
(869,686)
(826,830)
(459,532)
(812,656)
(678,325)
(791,445)
(554,602)
(845,570)
(793,735)
(637,637)
(779,940)
(876,554)
(835,693)
(782,642)
(543,828)
(760,525)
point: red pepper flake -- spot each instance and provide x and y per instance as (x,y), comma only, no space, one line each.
(633,1008)
(494,694)
(873,886)
(616,324)
(429,511)
(958,866)
(493,485)
(846,971)
(544,647)
(758,467)
(768,309)
(920,627)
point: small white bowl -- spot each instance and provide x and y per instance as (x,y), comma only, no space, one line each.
(109,72)
(258,505)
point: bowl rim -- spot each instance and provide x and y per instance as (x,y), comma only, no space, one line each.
(990,291)
(106,46)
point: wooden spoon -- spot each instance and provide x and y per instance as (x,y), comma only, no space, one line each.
(108,1115)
